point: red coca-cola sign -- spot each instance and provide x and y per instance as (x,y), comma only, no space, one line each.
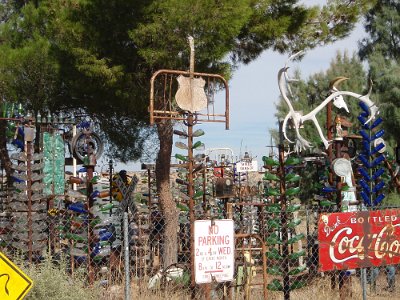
(359,239)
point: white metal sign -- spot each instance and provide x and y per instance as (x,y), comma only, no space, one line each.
(214,250)
(247,166)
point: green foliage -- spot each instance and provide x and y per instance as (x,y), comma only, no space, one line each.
(383,26)
(289,26)
(51,281)
(208,22)
(391,200)
(382,51)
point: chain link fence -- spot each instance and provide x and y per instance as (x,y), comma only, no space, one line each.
(90,240)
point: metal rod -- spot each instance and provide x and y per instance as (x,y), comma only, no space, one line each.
(364,283)
(191,201)
(74,164)
(126,257)
(285,233)
(110,172)
(29,195)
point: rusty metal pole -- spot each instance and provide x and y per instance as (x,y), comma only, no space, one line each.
(285,237)
(330,159)
(113,263)
(204,177)
(191,202)
(329,136)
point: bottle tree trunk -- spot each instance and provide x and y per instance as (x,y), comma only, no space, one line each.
(4,157)
(169,210)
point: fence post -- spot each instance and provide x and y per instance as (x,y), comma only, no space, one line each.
(126,257)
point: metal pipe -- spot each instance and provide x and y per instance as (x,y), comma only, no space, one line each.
(285,233)
(191,201)
(364,283)
(126,257)
(73,158)
(110,172)
(29,195)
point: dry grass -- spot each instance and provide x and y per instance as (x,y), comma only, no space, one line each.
(53,282)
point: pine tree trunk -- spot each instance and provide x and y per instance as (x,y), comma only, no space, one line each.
(168,206)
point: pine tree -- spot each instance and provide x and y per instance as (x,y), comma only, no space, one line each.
(382,51)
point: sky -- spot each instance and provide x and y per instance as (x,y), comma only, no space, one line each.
(254,93)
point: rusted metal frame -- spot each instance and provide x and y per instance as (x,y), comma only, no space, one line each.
(177,72)
(395,179)
(175,116)
(183,119)
(209,93)
(165,89)
(170,92)
(264,257)
(180,113)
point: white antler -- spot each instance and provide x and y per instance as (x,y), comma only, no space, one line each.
(336,97)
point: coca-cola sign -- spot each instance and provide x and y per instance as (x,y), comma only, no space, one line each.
(359,239)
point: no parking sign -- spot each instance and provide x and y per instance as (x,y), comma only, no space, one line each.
(214,250)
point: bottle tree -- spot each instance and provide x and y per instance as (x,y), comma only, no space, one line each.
(281,224)
(372,157)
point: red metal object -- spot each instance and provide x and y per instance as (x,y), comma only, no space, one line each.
(359,239)
(218,172)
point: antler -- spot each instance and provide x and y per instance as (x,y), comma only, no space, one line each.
(283,83)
